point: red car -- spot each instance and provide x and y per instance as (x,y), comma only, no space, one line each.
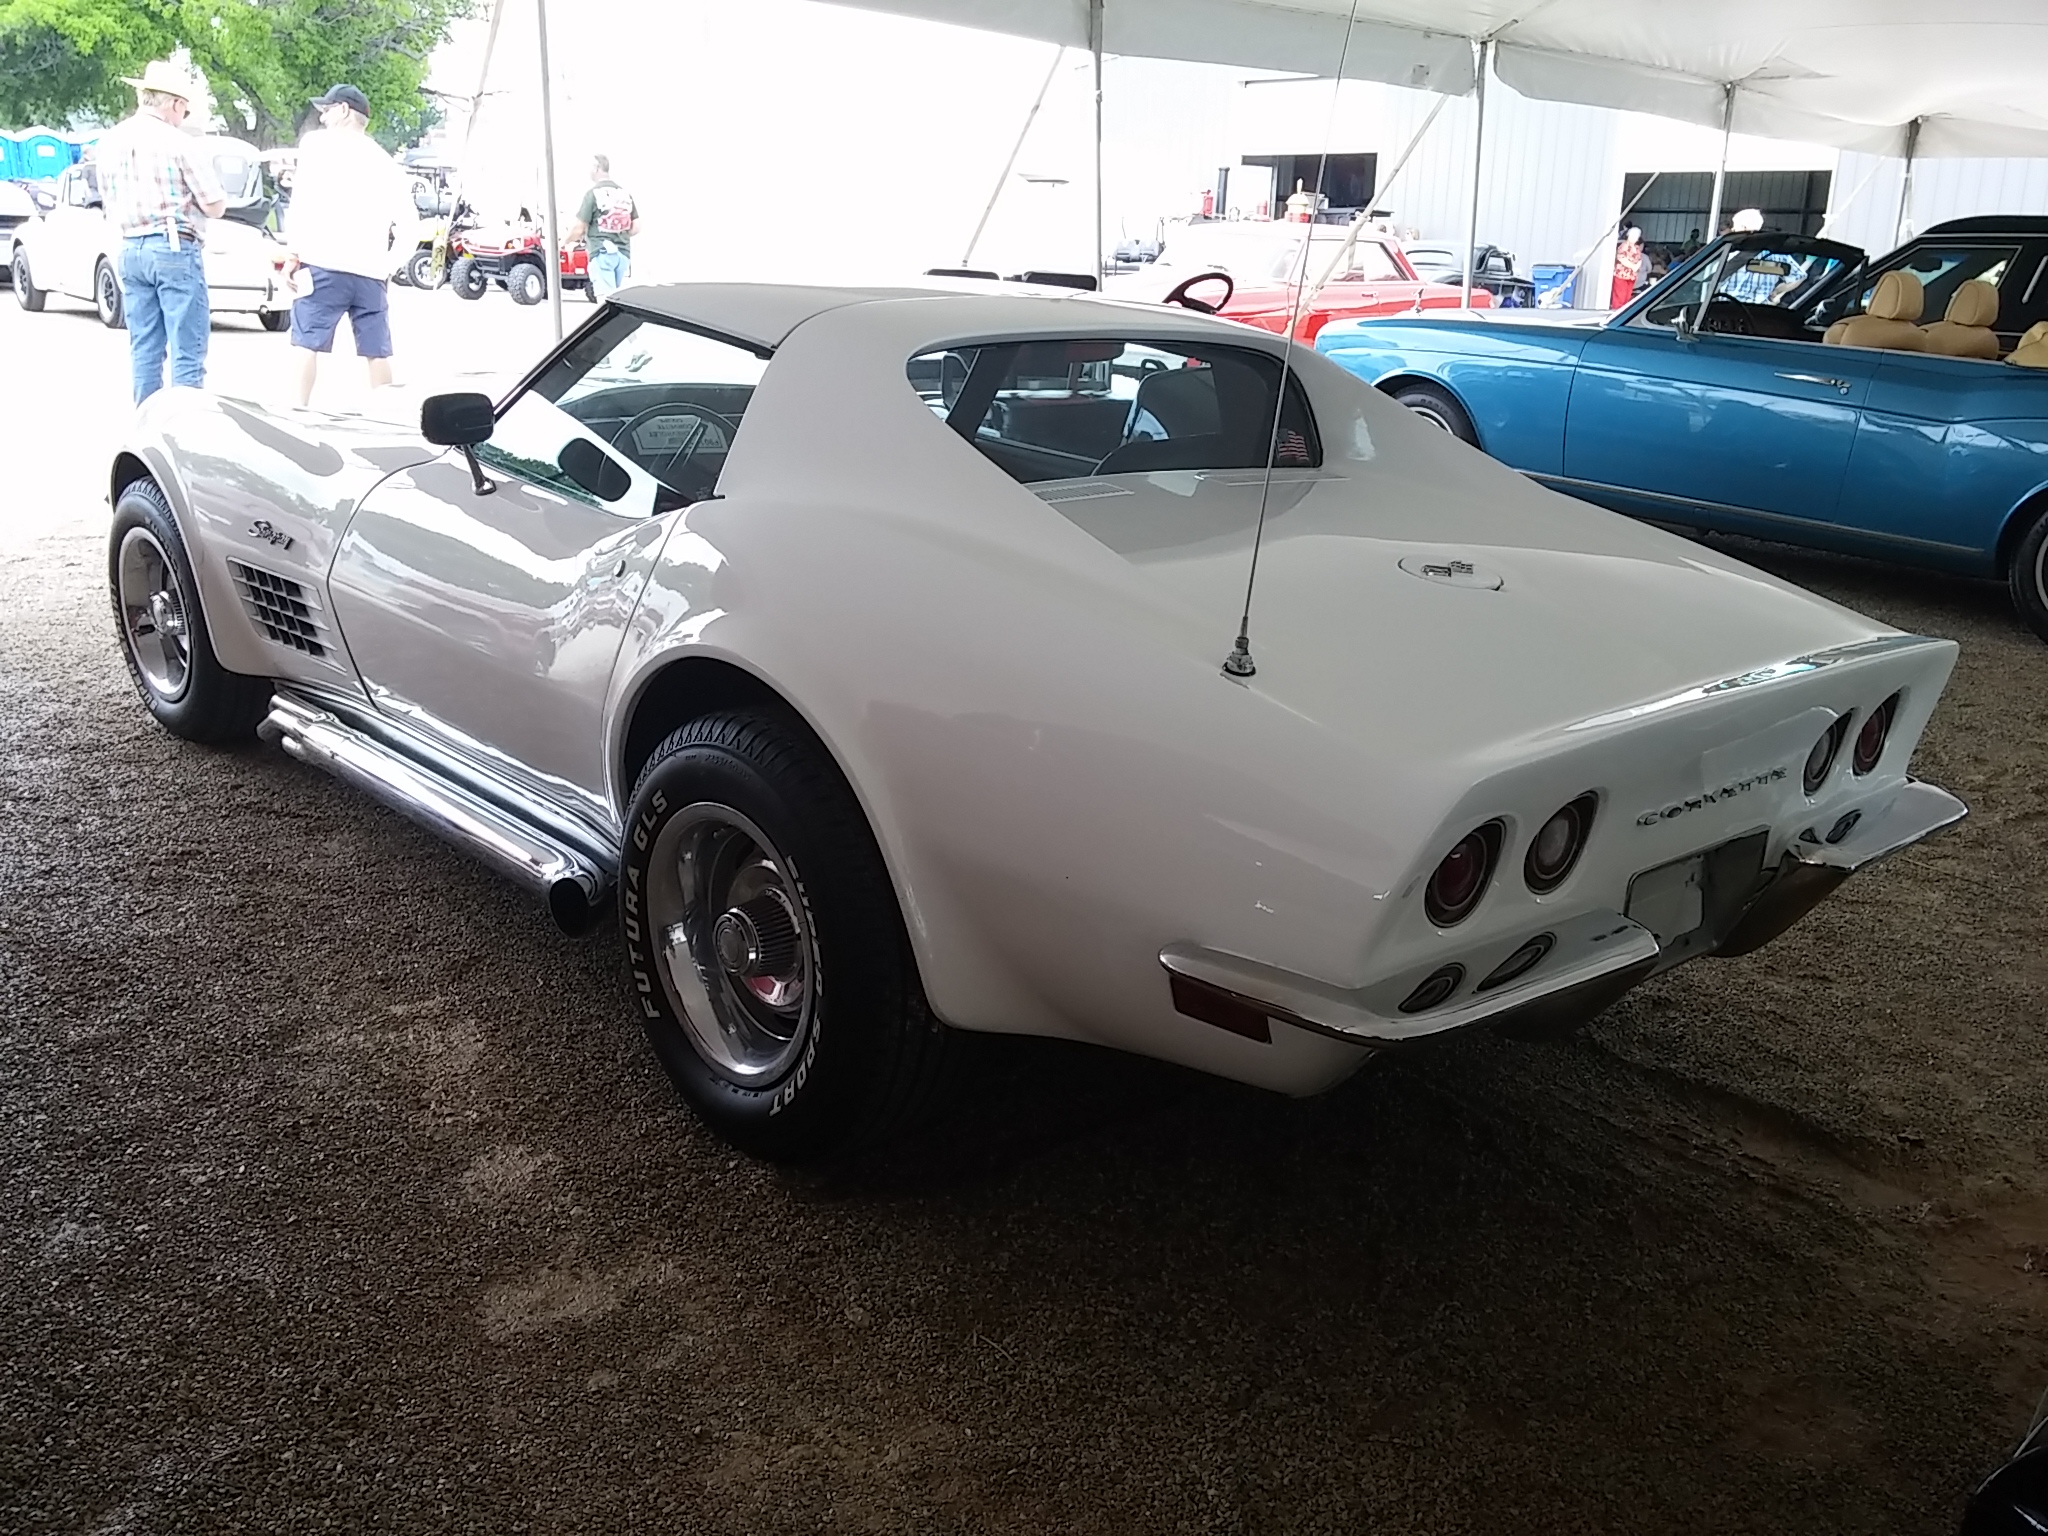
(1264,262)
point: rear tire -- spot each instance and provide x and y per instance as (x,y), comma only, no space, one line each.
(2028,577)
(1439,409)
(274,319)
(163,629)
(769,961)
(26,293)
(106,297)
(467,278)
(526,284)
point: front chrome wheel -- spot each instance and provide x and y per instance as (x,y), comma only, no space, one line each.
(1434,417)
(154,614)
(737,951)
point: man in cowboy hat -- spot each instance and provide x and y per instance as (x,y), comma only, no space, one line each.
(349,199)
(159,192)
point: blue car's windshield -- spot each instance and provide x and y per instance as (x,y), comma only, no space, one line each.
(1785,281)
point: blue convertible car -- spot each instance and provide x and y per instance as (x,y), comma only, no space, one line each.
(1717,400)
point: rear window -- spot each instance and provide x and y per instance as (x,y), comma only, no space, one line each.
(1054,410)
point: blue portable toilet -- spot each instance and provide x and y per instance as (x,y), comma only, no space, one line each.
(43,155)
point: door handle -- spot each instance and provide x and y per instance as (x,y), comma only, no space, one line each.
(1842,385)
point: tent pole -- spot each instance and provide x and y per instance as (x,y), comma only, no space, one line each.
(1906,185)
(547,137)
(1713,231)
(967,257)
(1095,43)
(1478,159)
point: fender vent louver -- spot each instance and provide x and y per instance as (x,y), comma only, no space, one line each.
(283,609)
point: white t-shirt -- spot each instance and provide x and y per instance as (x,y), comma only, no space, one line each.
(347,197)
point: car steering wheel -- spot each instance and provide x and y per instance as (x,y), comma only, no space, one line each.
(1186,300)
(688,449)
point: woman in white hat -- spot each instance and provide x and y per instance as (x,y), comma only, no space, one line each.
(159,191)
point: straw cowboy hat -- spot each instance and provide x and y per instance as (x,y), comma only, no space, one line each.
(163,76)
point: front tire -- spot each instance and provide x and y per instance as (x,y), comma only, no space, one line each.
(769,962)
(274,320)
(163,631)
(2028,577)
(1439,409)
(419,270)
(526,284)
(467,278)
(26,293)
(106,297)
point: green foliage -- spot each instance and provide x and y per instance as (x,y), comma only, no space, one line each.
(61,61)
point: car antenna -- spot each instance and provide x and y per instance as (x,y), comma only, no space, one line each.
(1239,662)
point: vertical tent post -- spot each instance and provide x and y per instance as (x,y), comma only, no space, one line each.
(547,137)
(1906,185)
(1478,160)
(1095,43)
(1713,230)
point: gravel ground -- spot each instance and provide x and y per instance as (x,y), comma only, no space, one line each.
(338,1192)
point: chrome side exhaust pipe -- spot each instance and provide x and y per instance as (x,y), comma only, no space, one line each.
(572,885)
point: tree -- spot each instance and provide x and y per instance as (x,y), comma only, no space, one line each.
(62,61)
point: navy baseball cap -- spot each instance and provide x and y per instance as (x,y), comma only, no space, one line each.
(344,95)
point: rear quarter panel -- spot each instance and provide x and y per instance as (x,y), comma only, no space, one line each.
(1947,451)
(1513,380)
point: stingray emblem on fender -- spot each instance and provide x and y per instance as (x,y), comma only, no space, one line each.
(270,534)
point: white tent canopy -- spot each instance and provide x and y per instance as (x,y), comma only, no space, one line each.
(1890,77)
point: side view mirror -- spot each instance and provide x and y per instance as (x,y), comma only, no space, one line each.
(1682,326)
(594,469)
(457,421)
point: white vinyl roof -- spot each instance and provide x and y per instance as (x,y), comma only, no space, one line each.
(1850,73)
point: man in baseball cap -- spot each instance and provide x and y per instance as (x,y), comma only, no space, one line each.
(159,191)
(349,198)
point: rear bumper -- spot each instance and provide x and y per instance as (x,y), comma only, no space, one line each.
(1593,960)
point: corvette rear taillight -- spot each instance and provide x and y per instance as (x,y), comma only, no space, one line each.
(1558,844)
(1822,757)
(1436,987)
(1871,739)
(1461,879)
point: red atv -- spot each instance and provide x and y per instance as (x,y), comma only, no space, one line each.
(514,257)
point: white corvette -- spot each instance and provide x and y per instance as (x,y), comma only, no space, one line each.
(864,649)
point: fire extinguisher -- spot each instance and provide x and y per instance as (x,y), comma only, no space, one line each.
(1208,202)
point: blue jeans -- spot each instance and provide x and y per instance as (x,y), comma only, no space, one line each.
(164,294)
(608,272)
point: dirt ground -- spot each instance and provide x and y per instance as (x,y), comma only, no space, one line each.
(337,1192)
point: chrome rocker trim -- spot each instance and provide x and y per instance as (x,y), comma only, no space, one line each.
(1595,959)
(572,883)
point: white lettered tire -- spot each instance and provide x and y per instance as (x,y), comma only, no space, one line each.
(767,956)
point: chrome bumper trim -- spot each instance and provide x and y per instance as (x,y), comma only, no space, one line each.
(573,885)
(1600,955)
(1809,871)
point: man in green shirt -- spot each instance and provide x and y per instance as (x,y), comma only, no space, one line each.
(607,219)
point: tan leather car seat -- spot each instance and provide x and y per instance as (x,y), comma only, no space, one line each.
(1891,321)
(1966,330)
(2032,352)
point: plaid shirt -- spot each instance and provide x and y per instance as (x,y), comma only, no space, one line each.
(153,178)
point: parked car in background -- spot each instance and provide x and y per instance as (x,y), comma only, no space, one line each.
(74,249)
(860,654)
(1715,401)
(1492,269)
(513,257)
(1265,263)
(21,201)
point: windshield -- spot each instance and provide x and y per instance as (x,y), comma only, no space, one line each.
(1728,290)
(1252,252)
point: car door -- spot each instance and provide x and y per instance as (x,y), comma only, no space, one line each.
(71,234)
(1370,284)
(1709,426)
(490,621)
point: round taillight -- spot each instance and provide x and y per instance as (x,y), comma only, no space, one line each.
(1871,739)
(1519,964)
(1436,987)
(1558,844)
(1461,879)
(1822,757)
